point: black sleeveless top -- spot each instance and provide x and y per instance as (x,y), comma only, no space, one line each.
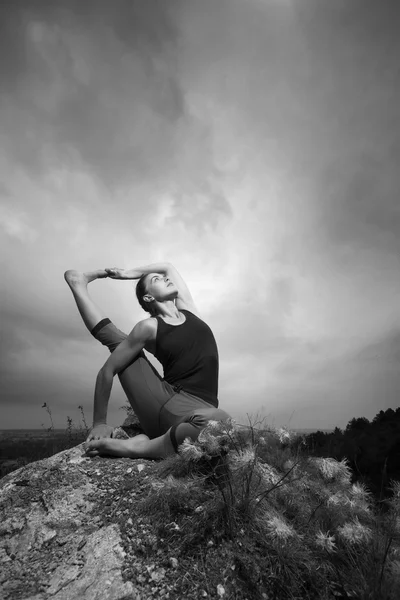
(189,356)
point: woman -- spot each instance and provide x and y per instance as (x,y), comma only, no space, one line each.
(171,408)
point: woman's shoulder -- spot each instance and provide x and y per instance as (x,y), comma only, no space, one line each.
(148,326)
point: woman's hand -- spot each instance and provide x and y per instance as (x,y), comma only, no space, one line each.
(100,431)
(116,273)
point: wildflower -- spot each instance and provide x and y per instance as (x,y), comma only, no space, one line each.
(283,435)
(325,541)
(355,532)
(243,459)
(279,529)
(359,490)
(221,426)
(208,442)
(361,497)
(214,425)
(330,468)
(189,451)
(268,473)
(337,499)
(395,488)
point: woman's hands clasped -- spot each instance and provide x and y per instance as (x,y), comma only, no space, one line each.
(116,273)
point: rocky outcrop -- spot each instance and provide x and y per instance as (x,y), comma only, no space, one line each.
(66,531)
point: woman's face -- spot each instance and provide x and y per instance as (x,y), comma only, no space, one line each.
(160,287)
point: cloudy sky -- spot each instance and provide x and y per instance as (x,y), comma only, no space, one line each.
(255,145)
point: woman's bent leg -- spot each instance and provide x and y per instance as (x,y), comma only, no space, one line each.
(165,445)
(194,424)
(142,384)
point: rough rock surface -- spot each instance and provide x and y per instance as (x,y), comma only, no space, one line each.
(66,531)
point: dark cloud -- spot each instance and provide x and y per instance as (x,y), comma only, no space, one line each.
(386,349)
(360,206)
(116,117)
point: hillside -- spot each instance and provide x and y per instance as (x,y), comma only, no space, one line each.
(232,516)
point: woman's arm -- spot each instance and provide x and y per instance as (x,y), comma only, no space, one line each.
(119,360)
(184,299)
(116,273)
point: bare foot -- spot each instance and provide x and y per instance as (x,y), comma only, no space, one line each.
(76,278)
(132,448)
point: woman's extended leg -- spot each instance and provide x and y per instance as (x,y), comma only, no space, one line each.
(78,282)
(142,384)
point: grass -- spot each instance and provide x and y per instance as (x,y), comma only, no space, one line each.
(290,525)
(277,522)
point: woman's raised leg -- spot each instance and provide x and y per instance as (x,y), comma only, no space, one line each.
(78,282)
(142,384)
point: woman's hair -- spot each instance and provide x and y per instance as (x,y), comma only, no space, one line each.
(140,292)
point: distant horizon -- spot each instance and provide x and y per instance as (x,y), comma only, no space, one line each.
(60,429)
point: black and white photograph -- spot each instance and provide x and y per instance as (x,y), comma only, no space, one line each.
(199,299)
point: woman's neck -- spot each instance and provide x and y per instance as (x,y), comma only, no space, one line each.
(168,310)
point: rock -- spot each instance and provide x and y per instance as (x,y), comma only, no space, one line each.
(60,535)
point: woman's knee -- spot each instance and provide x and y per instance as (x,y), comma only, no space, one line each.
(194,424)
(108,334)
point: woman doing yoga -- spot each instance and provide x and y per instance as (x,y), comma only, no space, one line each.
(169,409)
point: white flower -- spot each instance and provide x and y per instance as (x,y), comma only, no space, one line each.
(279,529)
(325,541)
(243,459)
(269,474)
(355,532)
(337,499)
(330,468)
(395,486)
(214,424)
(283,435)
(208,442)
(359,490)
(189,451)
